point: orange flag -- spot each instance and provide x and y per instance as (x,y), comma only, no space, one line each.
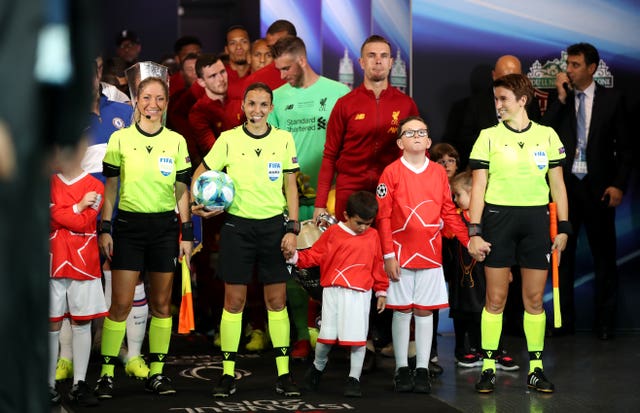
(186,322)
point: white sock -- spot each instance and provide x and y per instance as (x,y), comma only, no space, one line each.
(54,337)
(424,335)
(66,337)
(137,322)
(357,360)
(400,329)
(81,351)
(322,355)
(107,287)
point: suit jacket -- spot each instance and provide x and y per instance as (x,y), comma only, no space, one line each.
(609,152)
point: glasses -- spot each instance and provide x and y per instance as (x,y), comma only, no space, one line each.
(445,162)
(410,133)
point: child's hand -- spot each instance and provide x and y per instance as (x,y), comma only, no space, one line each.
(382,303)
(87,200)
(392,268)
(288,245)
(479,248)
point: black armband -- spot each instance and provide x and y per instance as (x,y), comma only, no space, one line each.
(564,227)
(187,231)
(475,230)
(292,227)
(105,227)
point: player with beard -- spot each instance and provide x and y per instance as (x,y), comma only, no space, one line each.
(304,105)
(361,136)
(260,55)
(238,47)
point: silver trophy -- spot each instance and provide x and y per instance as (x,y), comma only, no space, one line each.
(142,70)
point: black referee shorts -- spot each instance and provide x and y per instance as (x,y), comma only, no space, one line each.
(145,241)
(247,242)
(518,235)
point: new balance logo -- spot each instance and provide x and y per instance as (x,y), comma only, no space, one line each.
(289,107)
(322,123)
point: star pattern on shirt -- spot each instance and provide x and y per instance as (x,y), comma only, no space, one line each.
(400,235)
(65,263)
(341,274)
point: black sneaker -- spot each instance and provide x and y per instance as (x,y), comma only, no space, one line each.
(538,381)
(487,382)
(104,387)
(82,395)
(435,370)
(403,380)
(54,396)
(505,362)
(421,381)
(468,360)
(352,387)
(286,386)
(312,378)
(226,386)
(159,384)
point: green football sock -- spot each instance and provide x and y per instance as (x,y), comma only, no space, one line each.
(159,337)
(230,331)
(534,328)
(491,328)
(279,330)
(112,336)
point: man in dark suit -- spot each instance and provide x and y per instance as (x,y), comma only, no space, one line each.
(591,123)
(480,111)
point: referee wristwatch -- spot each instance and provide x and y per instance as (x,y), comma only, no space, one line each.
(292,227)
(475,230)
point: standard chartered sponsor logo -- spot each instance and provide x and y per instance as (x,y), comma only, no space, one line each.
(303,121)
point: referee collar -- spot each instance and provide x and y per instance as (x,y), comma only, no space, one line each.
(244,128)
(150,135)
(506,125)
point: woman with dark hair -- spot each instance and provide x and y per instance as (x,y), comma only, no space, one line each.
(261,160)
(509,208)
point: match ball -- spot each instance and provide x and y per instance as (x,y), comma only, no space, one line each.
(214,190)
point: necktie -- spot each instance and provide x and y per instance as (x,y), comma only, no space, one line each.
(579,168)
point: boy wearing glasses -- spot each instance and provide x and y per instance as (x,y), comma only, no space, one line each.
(414,200)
